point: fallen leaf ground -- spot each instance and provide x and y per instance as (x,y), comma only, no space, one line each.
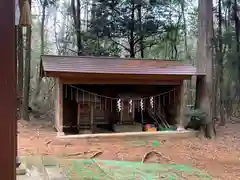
(220,158)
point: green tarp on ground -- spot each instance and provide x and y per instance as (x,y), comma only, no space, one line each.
(90,169)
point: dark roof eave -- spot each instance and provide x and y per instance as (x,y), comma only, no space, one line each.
(62,73)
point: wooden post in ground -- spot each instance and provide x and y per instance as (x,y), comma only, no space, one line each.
(59,107)
(8,93)
(91,115)
(180,107)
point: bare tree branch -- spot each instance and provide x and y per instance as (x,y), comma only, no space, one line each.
(127,49)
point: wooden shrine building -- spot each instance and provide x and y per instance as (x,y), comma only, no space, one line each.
(97,91)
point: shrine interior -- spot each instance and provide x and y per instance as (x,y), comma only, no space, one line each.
(118,108)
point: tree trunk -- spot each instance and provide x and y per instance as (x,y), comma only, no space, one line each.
(42,44)
(87,15)
(237,31)
(228,105)
(20,68)
(205,60)
(187,83)
(185,31)
(139,8)
(220,64)
(27,74)
(76,13)
(131,38)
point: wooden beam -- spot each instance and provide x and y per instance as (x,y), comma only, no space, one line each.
(119,81)
(81,75)
(59,106)
(8,94)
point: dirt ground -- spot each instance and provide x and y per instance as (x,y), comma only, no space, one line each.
(220,157)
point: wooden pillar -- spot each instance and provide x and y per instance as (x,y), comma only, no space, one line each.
(8,94)
(180,106)
(59,107)
(79,114)
(91,115)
